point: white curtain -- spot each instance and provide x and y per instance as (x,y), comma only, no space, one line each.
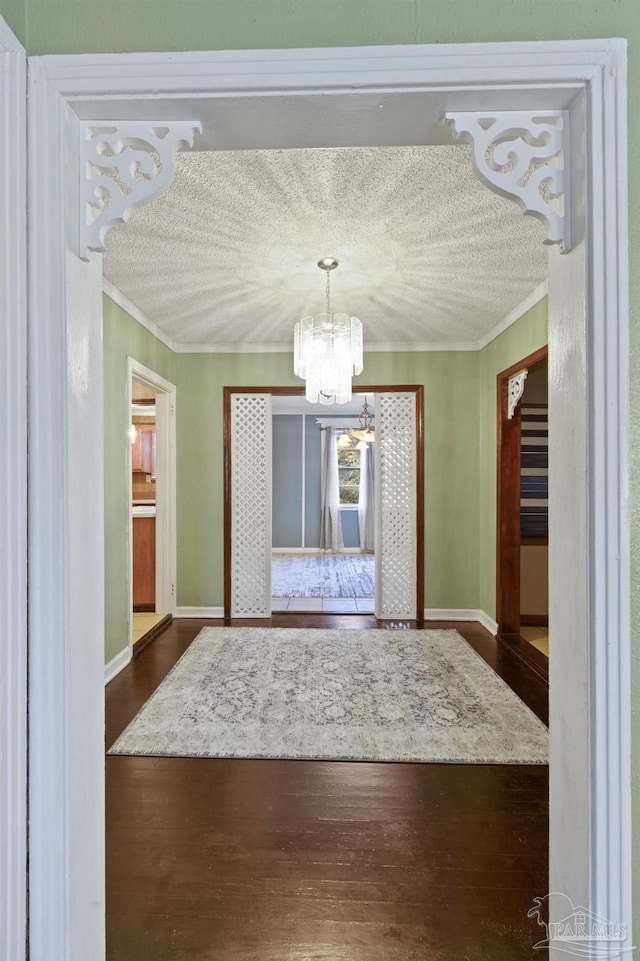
(366,507)
(330,523)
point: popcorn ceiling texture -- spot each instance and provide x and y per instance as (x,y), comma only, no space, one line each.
(428,255)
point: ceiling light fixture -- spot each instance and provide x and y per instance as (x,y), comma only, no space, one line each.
(364,434)
(328,350)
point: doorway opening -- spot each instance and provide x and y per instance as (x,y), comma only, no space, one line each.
(323,507)
(522,557)
(398,499)
(151,473)
(589,806)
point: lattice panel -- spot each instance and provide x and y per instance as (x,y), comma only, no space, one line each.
(251,505)
(396,506)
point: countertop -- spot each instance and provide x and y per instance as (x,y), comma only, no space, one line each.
(143,510)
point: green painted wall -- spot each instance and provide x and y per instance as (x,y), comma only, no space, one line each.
(451,463)
(460,444)
(14,13)
(123,338)
(518,341)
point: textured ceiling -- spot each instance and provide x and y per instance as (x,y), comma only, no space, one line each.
(227,258)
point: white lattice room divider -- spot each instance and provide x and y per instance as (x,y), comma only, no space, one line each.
(251,505)
(396,492)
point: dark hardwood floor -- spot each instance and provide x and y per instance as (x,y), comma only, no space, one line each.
(223,860)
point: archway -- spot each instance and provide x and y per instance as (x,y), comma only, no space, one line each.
(276,93)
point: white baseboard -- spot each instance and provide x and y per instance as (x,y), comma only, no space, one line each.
(461,614)
(117,664)
(488,623)
(205,612)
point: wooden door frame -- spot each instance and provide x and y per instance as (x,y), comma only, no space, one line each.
(416,389)
(508,495)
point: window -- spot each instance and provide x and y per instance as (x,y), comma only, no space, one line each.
(349,474)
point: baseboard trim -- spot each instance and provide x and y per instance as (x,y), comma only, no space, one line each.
(200,612)
(116,664)
(461,614)
(533,659)
(488,623)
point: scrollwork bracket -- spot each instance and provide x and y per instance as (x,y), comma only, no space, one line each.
(124,164)
(523,155)
(516,390)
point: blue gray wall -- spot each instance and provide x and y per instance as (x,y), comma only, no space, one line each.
(288,485)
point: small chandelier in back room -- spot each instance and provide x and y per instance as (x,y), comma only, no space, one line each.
(328,350)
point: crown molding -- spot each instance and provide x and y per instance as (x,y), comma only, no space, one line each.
(116,295)
(242,348)
(134,311)
(518,311)
(278,348)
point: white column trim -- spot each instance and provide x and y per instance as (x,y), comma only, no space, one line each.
(608,469)
(13,503)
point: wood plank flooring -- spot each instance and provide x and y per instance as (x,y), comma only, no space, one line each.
(239,860)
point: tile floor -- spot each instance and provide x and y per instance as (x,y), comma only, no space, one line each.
(323,605)
(143,623)
(538,636)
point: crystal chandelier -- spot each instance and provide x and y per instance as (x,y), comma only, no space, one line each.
(328,350)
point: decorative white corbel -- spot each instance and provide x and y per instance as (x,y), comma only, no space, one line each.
(524,156)
(124,164)
(516,390)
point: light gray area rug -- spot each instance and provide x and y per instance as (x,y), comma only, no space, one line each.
(322,575)
(380,695)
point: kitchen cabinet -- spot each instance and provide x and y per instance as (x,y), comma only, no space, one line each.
(144,563)
(143,450)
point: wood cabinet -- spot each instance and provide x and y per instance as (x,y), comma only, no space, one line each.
(144,563)
(143,450)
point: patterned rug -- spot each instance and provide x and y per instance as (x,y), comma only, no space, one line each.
(322,575)
(378,695)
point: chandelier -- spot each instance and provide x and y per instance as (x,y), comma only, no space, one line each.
(364,434)
(328,350)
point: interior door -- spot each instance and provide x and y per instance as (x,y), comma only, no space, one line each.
(13,504)
(250,424)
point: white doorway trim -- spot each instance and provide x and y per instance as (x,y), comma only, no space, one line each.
(166,535)
(589,558)
(13,503)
